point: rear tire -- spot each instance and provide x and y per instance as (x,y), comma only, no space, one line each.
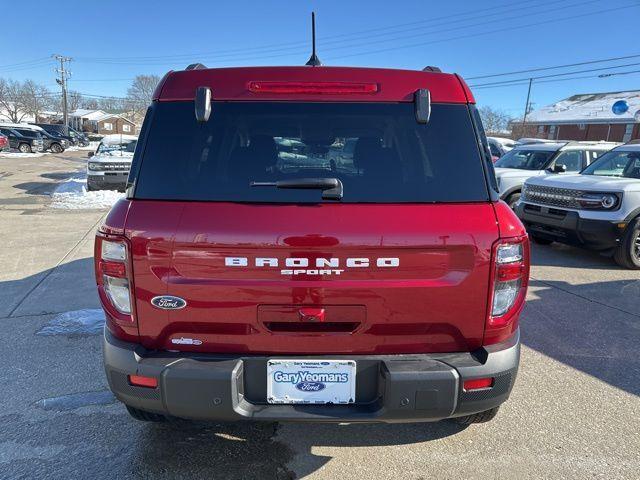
(627,254)
(24,148)
(513,199)
(144,416)
(480,417)
(57,148)
(540,240)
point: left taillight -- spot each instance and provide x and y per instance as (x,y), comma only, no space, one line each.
(112,274)
(510,279)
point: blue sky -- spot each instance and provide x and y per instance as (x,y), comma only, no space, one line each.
(112,41)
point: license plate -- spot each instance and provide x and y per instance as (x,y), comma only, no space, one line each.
(311,381)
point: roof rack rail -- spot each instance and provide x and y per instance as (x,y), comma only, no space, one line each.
(430,68)
(195,66)
(589,142)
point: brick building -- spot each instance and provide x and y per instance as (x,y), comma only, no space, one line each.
(101,122)
(588,116)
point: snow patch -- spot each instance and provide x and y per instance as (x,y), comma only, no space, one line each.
(92,147)
(78,322)
(73,195)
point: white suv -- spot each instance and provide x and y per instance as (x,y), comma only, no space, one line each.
(526,161)
(597,209)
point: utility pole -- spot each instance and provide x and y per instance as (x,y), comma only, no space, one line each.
(526,107)
(62,81)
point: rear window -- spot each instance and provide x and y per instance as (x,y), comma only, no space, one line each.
(378,151)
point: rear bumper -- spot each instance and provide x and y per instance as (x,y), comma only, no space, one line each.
(389,388)
(566,226)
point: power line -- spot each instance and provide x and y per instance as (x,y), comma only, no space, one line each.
(26,66)
(540,69)
(554,75)
(327,40)
(341,46)
(522,83)
(487,32)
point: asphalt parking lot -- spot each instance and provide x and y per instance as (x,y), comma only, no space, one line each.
(574,411)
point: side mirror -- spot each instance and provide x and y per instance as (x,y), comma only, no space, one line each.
(90,154)
(559,168)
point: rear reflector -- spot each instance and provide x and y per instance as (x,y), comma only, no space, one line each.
(322,88)
(477,384)
(113,269)
(139,381)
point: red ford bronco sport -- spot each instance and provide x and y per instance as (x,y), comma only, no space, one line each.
(315,244)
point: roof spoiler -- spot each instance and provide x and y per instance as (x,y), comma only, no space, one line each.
(422,101)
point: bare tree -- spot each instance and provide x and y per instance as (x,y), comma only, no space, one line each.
(75,100)
(494,120)
(12,101)
(90,103)
(110,104)
(34,98)
(140,92)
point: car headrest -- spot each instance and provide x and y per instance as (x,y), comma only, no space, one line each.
(368,151)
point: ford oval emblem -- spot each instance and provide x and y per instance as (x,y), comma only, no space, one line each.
(310,386)
(168,302)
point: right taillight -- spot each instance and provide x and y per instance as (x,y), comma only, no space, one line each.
(112,274)
(508,287)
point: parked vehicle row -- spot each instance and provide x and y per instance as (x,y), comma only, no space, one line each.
(530,160)
(25,140)
(599,208)
(72,136)
(31,138)
(500,146)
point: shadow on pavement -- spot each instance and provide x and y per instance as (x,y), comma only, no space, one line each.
(69,286)
(569,324)
(560,255)
(570,328)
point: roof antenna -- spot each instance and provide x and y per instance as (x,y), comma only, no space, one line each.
(314,61)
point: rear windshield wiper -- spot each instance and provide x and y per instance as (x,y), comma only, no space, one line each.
(331,187)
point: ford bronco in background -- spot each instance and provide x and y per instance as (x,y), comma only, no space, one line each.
(541,159)
(297,243)
(108,168)
(598,209)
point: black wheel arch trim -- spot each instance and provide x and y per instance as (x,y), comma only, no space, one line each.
(633,215)
(511,191)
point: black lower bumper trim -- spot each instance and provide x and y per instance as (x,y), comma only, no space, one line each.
(389,388)
(568,227)
(107,182)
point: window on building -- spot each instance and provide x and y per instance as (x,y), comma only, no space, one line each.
(126,127)
(540,129)
(552,132)
(582,126)
(628,131)
(108,126)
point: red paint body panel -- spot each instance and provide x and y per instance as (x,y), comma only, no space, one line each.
(232,84)
(437,297)
(434,301)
